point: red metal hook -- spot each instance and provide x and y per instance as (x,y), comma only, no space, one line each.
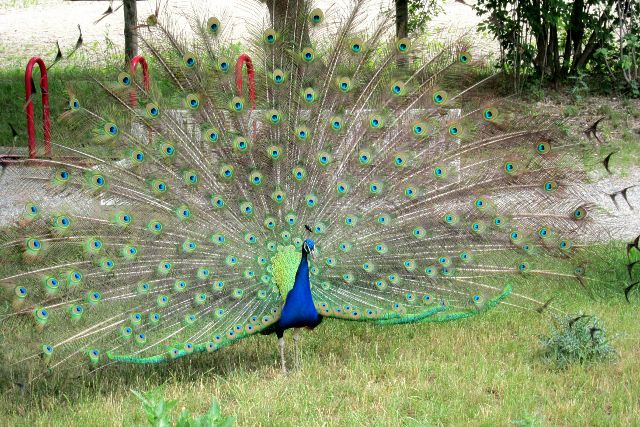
(146,82)
(46,125)
(246,59)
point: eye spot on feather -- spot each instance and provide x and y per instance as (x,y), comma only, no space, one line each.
(450,218)
(324,158)
(543,147)
(375,187)
(384,219)
(226,171)
(189,60)
(270,36)
(278,76)
(246,208)
(278,196)
(439,97)
(124,79)
(350,220)
(193,101)
(489,114)
(213,24)
(509,167)
(342,188)
(183,212)
(403,45)
(312,200)
(477,227)
(357,45)
(299,173)
(316,16)
(31,209)
(94,297)
(480,203)
(580,213)
(364,157)
(308,55)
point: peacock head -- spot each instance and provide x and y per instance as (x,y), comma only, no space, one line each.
(309,247)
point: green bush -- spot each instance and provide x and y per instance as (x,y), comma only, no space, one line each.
(576,339)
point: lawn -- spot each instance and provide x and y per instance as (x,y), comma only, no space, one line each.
(482,371)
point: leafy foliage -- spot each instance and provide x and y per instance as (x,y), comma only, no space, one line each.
(158,411)
(554,39)
(421,12)
(576,339)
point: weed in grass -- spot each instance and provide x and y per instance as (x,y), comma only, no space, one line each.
(576,339)
(571,111)
(158,411)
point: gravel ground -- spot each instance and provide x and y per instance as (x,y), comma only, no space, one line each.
(36,25)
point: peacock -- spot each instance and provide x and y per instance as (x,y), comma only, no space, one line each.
(347,174)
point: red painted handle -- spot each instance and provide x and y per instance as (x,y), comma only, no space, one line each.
(46,125)
(146,82)
(245,59)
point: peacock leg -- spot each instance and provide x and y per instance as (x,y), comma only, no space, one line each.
(281,345)
(296,339)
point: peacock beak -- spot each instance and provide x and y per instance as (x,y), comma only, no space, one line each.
(313,253)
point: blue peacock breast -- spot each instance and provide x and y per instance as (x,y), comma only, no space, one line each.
(299,310)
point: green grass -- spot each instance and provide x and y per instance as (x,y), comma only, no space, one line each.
(479,372)
(12,101)
(12,98)
(486,370)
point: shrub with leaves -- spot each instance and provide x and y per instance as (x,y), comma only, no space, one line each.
(576,339)
(158,411)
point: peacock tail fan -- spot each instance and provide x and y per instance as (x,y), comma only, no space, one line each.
(173,228)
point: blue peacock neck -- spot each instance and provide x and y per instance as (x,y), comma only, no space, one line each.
(299,310)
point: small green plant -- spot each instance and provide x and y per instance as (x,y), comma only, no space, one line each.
(580,87)
(212,418)
(158,411)
(156,407)
(576,339)
(528,421)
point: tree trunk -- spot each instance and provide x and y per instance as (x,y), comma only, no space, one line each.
(575,33)
(402,18)
(539,29)
(130,36)
(577,27)
(554,47)
(283,13)
(595,40)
